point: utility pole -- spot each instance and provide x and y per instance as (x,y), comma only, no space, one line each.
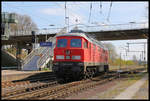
(144,43)
(120,61)
(67,18)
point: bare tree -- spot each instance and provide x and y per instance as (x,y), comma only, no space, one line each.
(24,25)
(112,52)
(134,59)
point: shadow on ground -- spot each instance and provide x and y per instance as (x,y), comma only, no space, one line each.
(41,77)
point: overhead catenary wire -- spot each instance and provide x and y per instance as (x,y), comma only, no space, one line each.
(90,12)
(64,8)
(50,5)
(109,11)
(65,13)
(100,7)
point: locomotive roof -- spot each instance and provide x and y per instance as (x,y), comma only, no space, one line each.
(90,39)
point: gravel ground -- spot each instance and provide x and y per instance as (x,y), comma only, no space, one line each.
(92,92)
(10,75)
(109,90)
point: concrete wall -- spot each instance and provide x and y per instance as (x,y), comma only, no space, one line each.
(7,59)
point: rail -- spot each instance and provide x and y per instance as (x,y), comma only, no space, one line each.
(53,90)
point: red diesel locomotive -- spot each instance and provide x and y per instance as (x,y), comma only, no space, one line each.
(79,56)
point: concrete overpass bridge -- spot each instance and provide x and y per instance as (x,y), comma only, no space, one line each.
(101,33)
(126,34)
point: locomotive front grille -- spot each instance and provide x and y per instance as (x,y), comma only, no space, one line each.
(68,64)
(68,52)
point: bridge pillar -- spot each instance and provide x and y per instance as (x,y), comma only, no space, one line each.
(18,55)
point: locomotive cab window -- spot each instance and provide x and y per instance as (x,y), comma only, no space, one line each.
(62,43)
(75,43)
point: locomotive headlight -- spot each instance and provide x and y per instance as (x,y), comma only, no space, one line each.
(76,57)
(56,63)
(67,57)
(80,63)
(59,57)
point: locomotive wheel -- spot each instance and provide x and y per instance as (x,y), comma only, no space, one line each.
(92,74)
(86,75)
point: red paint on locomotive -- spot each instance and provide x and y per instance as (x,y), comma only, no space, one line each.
(75,53)
(88,53)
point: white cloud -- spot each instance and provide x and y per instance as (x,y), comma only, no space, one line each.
(75,13)
(53,11)
(71,12)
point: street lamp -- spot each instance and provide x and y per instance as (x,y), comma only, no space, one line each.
(132,23)
(45,32)
(68,22)
(51,25)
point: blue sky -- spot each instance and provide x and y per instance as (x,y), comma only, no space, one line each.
(46,13)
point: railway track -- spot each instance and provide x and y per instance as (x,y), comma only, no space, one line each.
(6,94)
(56,91)
(11,84)
(40,78)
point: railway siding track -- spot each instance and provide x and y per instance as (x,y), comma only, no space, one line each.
(33,93)
(10,83)
(60,91)
(32,87)
(75,89)
(7,84)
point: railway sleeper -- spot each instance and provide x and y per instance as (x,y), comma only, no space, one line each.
(88,86)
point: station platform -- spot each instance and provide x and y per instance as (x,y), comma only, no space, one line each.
(10,72)
(10,75)
(131,91)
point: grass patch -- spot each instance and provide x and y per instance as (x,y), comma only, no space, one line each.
(47,69)
(120,86)
(143,91)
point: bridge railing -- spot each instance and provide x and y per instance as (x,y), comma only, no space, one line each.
(47,54)
(43,48)
(29,56)
(114,27)
(29,32)
(85,28)
(43,58)
(20,33)
(33,53)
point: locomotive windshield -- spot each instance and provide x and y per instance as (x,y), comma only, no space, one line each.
(75,43)
(62,43)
